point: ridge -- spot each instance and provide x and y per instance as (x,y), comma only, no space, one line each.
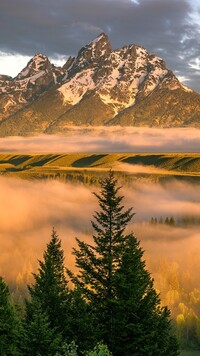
(100,86)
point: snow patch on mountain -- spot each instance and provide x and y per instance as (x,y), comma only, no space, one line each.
(9,103)
(75,89)
(40,60)
(114,103)
(157,73)
(94,43)
(186,88)
(120,78)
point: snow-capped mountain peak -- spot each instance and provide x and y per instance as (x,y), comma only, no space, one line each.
(38,63)
(97,48)
(38,76)
(93,52)
(126,86)
(119,77)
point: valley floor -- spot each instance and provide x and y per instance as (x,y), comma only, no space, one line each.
(88,168)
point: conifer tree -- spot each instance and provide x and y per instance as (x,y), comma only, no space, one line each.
(172,221)
(113,279)
(50,288)
(141,325)
(167,221)
(39,338)
(98,263)
(9,323)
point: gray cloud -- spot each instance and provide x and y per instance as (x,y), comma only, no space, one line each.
(64,26)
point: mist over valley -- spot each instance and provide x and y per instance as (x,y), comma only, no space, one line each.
(107,139)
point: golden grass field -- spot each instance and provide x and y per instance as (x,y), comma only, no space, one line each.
(66,166)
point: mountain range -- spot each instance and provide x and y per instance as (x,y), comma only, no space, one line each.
(101,86)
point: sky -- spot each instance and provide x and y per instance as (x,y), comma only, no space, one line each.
(168,28)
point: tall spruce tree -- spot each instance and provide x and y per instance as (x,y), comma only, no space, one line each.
(98,263)
(38,337)
(50,288)
(9,323)
(113,279)
(141,325)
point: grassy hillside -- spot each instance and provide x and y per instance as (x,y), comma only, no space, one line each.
(89,167)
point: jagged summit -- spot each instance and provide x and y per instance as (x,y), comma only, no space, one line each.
(97,50)
(101,86)
(38,63)
(37,77)
(100,46)
(101,37)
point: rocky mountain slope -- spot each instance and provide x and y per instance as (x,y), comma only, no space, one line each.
(101,86)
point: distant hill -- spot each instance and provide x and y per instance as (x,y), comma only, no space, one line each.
(126,86)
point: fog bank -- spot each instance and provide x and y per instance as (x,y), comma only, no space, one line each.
(107,139)
(29,210)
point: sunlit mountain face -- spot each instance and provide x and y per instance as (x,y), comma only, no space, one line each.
(101,86)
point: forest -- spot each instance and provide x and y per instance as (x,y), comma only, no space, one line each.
(108,306)
(162,235)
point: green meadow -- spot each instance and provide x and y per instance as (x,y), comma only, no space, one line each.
(89,167)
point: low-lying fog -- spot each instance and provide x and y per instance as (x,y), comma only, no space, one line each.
(108,139)
(29,210)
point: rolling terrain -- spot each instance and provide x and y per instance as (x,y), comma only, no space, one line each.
(88,168)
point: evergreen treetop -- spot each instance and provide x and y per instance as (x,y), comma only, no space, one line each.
(114,281)
(50,287)
(98,262)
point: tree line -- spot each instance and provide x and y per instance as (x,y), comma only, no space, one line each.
(167,221)
(112,307)
(178,221)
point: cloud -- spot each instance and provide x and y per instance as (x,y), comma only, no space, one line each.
(107,139)
(87,27)
(168,28)
(28,212)
(182,78)
(7,60)
(138,168)
(157,200)
(195,63)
